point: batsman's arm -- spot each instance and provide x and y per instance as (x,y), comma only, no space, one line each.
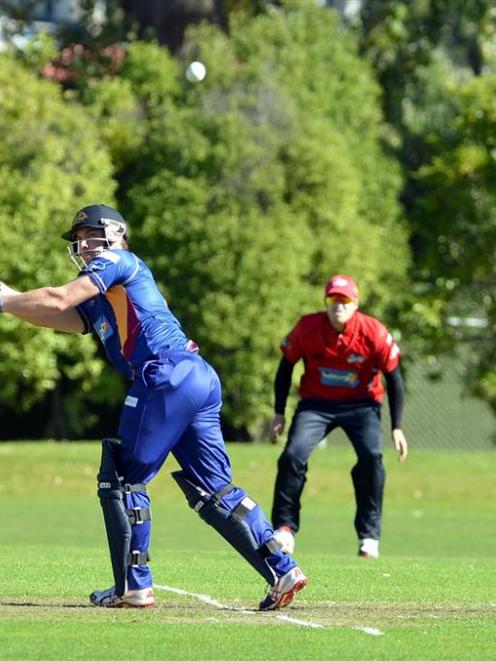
(52,307)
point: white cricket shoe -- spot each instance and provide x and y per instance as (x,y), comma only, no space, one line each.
(283,592)
(368,548)
(284,536)
(130,599)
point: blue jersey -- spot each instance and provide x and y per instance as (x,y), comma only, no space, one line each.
(130,315)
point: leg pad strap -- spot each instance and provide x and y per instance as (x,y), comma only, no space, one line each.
(137,558)
(139,515)
(230,524)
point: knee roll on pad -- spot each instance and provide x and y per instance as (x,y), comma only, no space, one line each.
(117,519)
(230,524)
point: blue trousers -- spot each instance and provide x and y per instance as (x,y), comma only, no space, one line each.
(174,406)
(312,421)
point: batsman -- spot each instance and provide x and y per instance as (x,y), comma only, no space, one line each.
(173,406)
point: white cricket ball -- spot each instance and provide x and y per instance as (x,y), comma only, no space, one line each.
(195,72)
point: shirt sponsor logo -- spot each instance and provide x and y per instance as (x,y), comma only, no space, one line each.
(355,358)
(103,329)
(96,264)
(101,262)
(339,378)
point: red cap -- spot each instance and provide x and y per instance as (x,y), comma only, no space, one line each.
(342,284)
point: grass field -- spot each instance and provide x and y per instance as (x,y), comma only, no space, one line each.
(431,595)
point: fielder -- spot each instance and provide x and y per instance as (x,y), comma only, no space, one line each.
(173,405)
(344,353)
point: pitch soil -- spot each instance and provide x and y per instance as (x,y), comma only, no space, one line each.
(326,614)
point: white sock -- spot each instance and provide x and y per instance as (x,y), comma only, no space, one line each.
(369,546)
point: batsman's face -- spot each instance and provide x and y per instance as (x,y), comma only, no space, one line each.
(89,243)
(340,309)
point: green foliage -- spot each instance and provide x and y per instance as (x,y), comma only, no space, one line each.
(460,186)
(152,72)
(244,193)
(461,199)
(122,106)
(51,163)
(38,51)
(221,258)
(244,202)
(118,116)
(435,61)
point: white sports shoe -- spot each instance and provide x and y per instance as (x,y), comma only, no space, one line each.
(284,536)
(368,548)
(130,599)
(282,593)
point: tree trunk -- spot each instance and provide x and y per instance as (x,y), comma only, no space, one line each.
(167,20)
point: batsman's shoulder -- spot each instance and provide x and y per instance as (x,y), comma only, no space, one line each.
(103,261)
(113,256)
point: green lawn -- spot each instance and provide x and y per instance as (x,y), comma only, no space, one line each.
(431,595)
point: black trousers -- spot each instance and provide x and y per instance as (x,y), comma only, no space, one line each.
(312,421)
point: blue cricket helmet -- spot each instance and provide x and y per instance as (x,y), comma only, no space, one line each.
(97,216)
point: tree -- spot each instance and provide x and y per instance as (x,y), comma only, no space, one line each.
(430,57)
(244,193)
(244,202)
(415,49)
(51,162)
(456,221)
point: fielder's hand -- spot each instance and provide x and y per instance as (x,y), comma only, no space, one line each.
(400,444)
(276,427)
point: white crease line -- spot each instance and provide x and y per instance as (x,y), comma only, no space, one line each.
(303,623)
(202,597)
(372,631)
(287,618)
(212,602)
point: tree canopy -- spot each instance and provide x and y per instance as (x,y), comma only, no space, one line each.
(52,161)
(312,147)
(244,193)
(255,201)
